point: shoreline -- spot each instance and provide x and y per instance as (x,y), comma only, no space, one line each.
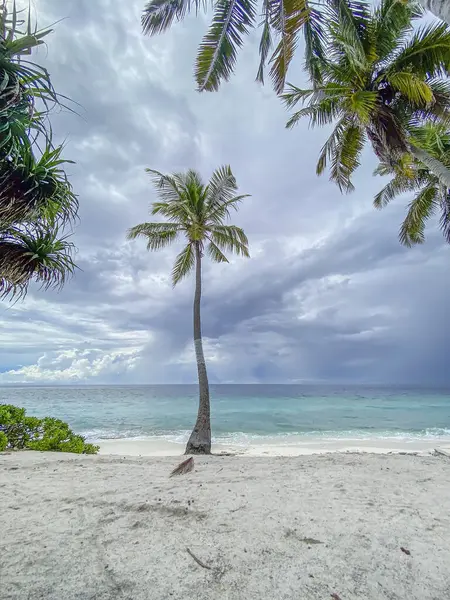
(305,446)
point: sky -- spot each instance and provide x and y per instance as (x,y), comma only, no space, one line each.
(328,295)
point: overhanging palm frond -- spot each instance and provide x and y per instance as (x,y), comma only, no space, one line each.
(411,175)
(321,113)
(444,221)
(427,52)
(413,88)
(345,159)
(184,264)
(266,42)
(420,210)
(159,15)
(348,20)
(287,19)
(313,31)
(392,24)
(399,185)
(218,51)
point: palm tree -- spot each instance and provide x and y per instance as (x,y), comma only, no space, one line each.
(412,176)
(197,212)
(36,198)
(376,83)
(281,23)
(440,8)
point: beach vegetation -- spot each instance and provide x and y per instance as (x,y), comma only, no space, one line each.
(381,80)
(21,432)
(197,213)
(282,25)
(37,202)
(410,176)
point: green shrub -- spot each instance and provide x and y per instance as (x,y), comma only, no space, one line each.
(17,431)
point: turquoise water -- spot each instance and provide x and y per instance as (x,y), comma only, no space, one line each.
(242,413)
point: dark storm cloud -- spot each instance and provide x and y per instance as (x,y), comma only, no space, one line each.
(328,295)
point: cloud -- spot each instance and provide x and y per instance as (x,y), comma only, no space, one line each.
(328,295)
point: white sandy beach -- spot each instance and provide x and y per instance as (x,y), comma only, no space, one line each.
(264,528)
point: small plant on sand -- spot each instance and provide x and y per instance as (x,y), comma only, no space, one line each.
(19,432)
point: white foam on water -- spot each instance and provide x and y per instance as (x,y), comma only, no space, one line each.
(244,439)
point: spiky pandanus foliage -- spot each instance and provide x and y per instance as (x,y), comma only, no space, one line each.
(377,80)
(197,213)
(36,198)
(431,196)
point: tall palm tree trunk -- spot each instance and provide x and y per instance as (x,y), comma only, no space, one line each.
(200,439)
(439,8)
(435,166)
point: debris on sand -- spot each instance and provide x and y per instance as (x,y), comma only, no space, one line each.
(185,467)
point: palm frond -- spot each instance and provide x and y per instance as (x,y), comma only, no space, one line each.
(167,186)
(322,113)
(345,158)
(222,185)
(265,43)
(348,20)
(361,103)
(218,51)
(184,264)
(158,235)
(415,89)
(315,43)
(427,52)
(221,211)
(215,253)
(444,221)
(230,238)
(397,186)
(287,19)
(392,24)
(159,15)
(420,210)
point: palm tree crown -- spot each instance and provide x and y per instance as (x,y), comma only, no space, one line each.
(377,80)
(410,175)
(198,212)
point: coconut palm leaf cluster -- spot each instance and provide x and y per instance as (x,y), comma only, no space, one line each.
(36,198)
(380,82)
(410,176)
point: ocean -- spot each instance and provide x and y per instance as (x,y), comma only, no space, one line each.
(242,414)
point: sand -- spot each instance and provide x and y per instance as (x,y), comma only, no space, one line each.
(265,528)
